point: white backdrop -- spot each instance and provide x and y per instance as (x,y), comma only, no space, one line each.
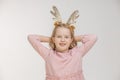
(18,18)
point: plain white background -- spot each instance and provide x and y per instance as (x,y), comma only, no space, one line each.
(18,18)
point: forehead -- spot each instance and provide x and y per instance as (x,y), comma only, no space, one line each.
(62,31)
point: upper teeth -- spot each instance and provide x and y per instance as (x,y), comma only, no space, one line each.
(62,44)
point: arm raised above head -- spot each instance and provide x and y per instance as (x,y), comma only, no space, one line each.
(35,41)
(39,38)
(87,42)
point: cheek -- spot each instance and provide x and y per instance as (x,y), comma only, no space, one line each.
(70,40)
(56,40)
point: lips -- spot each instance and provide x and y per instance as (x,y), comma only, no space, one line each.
(62,44)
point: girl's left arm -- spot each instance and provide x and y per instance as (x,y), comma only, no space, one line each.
(87,42)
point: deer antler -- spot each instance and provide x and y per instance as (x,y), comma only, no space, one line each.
(72,18)
(56,14)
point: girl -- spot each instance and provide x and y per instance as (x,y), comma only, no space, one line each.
(64,59)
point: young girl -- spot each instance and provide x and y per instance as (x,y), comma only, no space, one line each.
(63,60)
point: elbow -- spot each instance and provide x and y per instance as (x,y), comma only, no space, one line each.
(94,38)
(30,37)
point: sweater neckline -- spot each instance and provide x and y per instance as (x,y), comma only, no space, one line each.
(63,53)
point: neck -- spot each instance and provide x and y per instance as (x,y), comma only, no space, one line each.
(62,51)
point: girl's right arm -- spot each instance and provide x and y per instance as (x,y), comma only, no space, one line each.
(35,41)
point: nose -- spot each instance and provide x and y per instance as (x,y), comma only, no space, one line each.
(62,39)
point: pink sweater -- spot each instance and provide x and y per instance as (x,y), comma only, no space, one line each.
(63,66)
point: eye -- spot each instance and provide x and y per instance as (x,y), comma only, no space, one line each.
(67,37)
(58,36)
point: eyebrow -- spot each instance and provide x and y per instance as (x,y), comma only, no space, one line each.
(64,35)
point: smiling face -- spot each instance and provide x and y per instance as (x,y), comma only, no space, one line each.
(62,39)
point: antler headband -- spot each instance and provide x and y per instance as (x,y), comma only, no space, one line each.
(58,18)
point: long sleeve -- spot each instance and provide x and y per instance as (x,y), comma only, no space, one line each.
(87,43)
(36,44)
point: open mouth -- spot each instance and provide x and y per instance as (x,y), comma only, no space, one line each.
(62,44)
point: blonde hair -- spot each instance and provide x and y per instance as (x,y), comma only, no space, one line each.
(57,25)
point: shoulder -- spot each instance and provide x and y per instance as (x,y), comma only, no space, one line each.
(75,49)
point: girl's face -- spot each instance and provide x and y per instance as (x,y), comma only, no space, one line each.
(62,39)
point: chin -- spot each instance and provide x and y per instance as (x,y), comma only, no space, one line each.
(63,50)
